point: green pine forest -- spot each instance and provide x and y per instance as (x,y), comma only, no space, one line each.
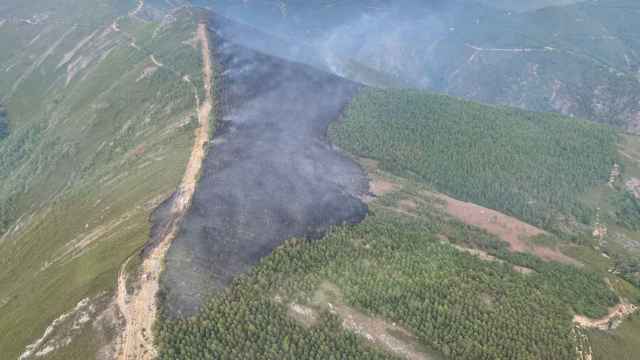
(530,165)
(404,268)
(398,268)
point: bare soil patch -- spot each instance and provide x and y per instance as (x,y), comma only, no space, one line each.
(522,269)
(304,314)
(483,255)
(408,205)
(378,186)
(61,331)
(148,71)
(515,232)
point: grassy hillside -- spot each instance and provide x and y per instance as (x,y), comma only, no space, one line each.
(533,166)
(540,167)
(619,204)
(99,135)
(394,279)
(622,343)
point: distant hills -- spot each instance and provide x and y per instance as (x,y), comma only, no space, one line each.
(581,60)
(519,5)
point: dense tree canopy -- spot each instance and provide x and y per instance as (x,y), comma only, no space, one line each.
(529,165)
(396,268)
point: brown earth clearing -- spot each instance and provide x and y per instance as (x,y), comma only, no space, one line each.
(515,232)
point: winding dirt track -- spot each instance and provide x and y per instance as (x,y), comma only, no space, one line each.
(140,309)
(620,312)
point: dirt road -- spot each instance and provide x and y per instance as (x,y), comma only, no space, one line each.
(140,309)
(619,312)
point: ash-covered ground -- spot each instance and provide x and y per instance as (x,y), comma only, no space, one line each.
(270,173)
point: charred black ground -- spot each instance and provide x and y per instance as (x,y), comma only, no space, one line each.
(270,174)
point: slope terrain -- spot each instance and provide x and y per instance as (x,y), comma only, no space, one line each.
(533,166)
(567,176)
(101,125)
(271,174)
(402,284)
(139,310)
(261,182)
(361,281)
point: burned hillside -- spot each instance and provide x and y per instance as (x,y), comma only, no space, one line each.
(270,175)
